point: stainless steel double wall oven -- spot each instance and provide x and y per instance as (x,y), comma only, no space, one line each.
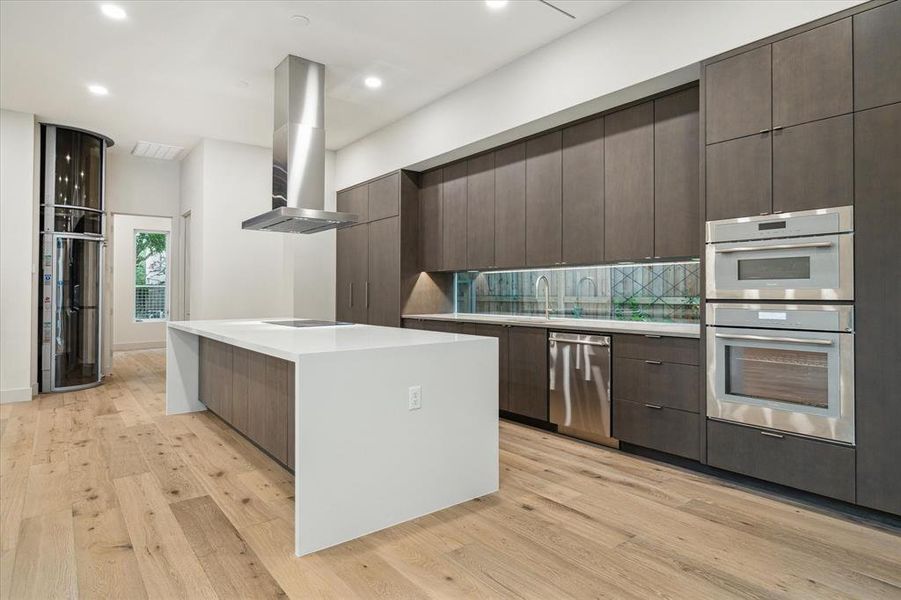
(786,360)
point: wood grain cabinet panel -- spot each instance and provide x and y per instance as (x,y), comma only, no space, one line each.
(499,332)
(739,178)
(215,388)
(454,199)
(431,223)
(247,366)
(480,212)
(528,372)
(738,95)
(877,56)
(384,197)
(683,351)
(664,429)
(355,201)
(813,165)
(676,218)
(352,273)
(510,206)
(544,173)
(806,464)
(655,382)
(629,183)
(382,294)
(583,193)
(877,320)
(812,75)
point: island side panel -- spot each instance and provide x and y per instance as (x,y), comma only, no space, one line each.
(182,372)
(365,462)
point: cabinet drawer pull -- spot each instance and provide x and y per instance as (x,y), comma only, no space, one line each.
(367,294)
(653,362)
(777,128)
(653,337)
(350,295)
(772,435)
(654,406)
(763,130)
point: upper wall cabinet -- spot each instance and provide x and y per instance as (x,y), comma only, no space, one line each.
(629,183)
(812,75)
(544,176)
(510,206)
(676,219)
(355,201)
(877,56)
(431,222)
(583,192)
(384,197)
(454,218)
(738,95)
(480,212)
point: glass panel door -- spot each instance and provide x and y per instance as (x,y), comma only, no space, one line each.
(77,335)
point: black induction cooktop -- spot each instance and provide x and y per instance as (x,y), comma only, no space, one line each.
(307,323)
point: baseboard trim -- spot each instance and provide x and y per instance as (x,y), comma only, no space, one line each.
(16,395)
(138,346)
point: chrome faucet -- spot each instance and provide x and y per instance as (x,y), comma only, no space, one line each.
(579,288)
(547,299)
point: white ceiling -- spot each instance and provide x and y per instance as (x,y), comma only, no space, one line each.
(181,71)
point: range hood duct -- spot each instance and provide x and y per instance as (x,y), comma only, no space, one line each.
(298,154)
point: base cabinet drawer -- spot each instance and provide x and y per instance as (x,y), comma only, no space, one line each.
(659,428)
(814,466)
(655,382)
(654,347)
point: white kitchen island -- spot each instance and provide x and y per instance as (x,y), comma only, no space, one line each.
(364,459)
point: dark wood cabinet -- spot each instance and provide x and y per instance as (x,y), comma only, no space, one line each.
(382,291)
(543,199)
(738,95)
(629,183)
(431,222)
(500,332)
(877,56)
(877,320)
(812,75)
(215,390)
(454,218)
(683,351)
(480,212)
(253,392)
(658,383)
(676,218)
(528,372)
(813,165)
(583,193)
(510,206)
(352,253)
(655,427)
(803,463)
(355,201)
(384,197)
(739,178)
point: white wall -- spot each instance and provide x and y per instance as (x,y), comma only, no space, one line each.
(129,334)
(17,256)
(574,76)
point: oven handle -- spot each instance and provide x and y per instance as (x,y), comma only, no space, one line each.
(778,247)
(764,338)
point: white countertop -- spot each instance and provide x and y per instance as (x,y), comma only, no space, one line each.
(690,330)
(290,343)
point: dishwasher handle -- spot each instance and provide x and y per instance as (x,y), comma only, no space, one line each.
(581,340)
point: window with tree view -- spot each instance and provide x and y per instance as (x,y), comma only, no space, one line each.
(151,276)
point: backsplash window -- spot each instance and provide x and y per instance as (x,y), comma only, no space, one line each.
(665,292)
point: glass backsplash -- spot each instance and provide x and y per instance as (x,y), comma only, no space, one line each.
(665,292)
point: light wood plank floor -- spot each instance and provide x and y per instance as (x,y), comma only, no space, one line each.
(103,496)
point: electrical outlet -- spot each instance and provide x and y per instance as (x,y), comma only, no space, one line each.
(414,397)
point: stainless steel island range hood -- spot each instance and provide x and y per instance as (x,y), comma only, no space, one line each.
(298,154)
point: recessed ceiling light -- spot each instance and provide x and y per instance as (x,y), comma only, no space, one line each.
(113,12)
(495,4)
(373,82)
(98,90)
(300,20)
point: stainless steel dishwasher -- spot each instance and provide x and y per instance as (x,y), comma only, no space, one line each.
(579,371)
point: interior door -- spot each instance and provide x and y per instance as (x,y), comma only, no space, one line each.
(186,265)
(76,335)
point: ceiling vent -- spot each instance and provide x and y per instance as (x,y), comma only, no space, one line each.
(154,150)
